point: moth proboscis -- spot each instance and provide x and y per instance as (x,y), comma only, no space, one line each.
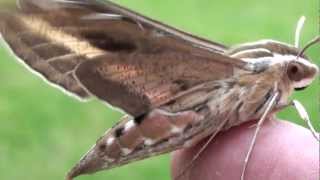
(176,87)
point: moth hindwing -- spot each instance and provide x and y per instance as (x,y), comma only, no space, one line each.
(176,87)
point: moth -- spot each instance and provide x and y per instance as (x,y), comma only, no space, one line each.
(175,87)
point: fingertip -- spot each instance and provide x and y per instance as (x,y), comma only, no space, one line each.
(281,149)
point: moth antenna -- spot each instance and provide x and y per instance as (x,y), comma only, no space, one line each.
(298,31)
(309,44)
(259,125)
(304,115)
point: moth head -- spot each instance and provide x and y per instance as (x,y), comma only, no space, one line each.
(301,73)
(297,67)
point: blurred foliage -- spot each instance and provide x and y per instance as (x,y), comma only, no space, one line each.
(44,132)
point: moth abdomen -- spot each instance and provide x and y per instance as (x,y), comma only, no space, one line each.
(157,132)
(150,130)
(140,118)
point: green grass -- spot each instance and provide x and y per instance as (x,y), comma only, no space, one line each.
(44,132)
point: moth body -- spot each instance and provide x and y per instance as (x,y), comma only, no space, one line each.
(214,106)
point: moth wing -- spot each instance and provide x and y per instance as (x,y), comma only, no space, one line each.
(101,49)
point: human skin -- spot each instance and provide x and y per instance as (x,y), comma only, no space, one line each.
(283,150)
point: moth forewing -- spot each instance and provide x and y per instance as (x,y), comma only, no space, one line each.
(55,39)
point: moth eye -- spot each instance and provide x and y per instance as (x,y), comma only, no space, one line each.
(295,72)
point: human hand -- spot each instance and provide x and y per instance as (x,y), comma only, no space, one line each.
(283,150)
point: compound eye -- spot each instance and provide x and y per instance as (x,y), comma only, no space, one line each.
(295,72)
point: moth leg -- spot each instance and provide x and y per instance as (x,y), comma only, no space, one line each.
(304,116)
(282,106)
(259,125)
(194,141)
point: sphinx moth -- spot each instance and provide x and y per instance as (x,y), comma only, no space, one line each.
(176,88)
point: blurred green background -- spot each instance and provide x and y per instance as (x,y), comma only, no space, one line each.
(44,132)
